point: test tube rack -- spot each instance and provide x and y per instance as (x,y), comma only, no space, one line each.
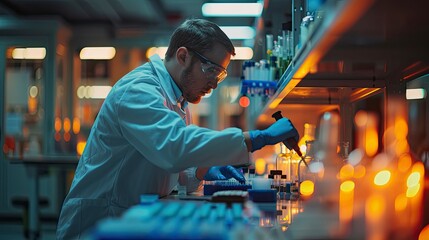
(258,88)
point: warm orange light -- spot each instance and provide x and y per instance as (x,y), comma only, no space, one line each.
(32,105)
(418,167)
(360,171)
(371,142)
(346,200)
(401,202)
(382,178)
(263,117)
(66,124)
(57,136)
(279,98)
(424,234)
(347,171)
(260,166)
(404,162)
(401,147)
(375,207)
(57,124)
(389,137)
(401,128)
(76,125)
(303,149)
(306,188)
(87,114)
(412,191)
(361,118)
(66,136)
(347,186)
(244,101)
(80,147)
(413,179)
(265,222)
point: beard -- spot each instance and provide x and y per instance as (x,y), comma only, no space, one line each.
(187,83)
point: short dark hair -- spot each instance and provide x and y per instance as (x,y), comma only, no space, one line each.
(200,35)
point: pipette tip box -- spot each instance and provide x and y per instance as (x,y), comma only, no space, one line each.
(211,187)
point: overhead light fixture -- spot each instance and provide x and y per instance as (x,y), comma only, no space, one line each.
(29,53)
(157,50)
(415,93)
(243,53)
(97,53)
(239,32)
(232,9)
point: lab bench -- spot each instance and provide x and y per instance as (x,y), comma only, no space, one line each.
(198,217)
(354,214)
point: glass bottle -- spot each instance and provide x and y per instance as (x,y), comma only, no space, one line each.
(309,130)
(285,163)
(327,186)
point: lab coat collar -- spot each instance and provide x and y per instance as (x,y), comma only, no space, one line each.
(173,91)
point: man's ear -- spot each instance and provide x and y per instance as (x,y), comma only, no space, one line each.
(182,56)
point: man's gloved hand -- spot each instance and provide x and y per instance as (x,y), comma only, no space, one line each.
(224,173)
(277,132)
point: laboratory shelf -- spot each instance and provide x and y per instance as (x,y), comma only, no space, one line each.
(368,46)
(319,41)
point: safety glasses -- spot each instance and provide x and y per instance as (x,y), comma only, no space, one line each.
(211,69)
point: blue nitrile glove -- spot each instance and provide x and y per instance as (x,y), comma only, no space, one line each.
(224,173)
(277,132)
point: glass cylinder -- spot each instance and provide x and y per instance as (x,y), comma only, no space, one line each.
(283,163)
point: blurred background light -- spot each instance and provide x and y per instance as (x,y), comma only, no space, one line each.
(306,188)
(382,178)
(232,9)
(97,53)
(29,53)
(415,93)
(239,32)
(242,53)
(93,92)
(156,50)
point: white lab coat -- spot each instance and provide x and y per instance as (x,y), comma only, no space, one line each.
(138,144)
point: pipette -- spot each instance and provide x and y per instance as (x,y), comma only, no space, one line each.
(290,141)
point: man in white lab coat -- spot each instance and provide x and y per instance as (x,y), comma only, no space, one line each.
(142,137)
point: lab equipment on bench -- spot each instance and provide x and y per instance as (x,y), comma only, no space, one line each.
(210,187)
(290,141)
(170,219)
(230,196)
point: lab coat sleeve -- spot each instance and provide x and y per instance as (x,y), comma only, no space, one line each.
(163,138)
